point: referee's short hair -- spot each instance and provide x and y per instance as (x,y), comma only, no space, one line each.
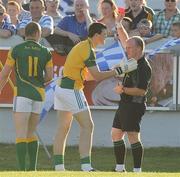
(139,42)
(96,28)
(32,28)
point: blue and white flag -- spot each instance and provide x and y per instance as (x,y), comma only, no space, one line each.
(66,7)
(106,59)
(110,56)
(167,45)
(49,99)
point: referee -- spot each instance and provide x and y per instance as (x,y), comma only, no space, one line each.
(131,107)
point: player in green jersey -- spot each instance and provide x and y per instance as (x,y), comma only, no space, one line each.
(33,69)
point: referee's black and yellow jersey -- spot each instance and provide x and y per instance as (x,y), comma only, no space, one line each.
(78,60)
(30,60)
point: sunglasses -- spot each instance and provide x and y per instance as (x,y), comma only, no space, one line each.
(170,0)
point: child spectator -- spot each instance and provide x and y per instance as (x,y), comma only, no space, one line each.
(144,28)
(6,28)
(175,29)
(23,14)
(13,10)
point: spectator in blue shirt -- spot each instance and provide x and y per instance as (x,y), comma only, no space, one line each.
(75,26)
(71,29)
(6,29)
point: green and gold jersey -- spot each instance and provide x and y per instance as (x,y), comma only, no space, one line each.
(78,60)
(30,60)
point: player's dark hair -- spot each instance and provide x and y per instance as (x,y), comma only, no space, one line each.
(32,28)
(96,28)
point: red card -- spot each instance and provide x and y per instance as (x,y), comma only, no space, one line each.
(121,10)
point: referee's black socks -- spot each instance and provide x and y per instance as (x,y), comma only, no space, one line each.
(120,153)
(137,151)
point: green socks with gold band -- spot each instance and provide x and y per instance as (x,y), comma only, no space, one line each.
(86,164)
(21,150)
(59,162)
(33,147)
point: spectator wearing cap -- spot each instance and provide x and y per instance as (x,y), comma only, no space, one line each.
(37,8)
(53,11)
(6,29)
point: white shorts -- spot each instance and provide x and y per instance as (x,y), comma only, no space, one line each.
(70,100)
(22,104)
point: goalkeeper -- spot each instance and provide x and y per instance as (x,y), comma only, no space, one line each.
(70,100)
(131,106)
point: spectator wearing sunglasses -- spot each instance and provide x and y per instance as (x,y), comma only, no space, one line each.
(6,29)
(164,19)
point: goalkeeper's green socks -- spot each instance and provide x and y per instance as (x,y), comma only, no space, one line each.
(33,147)
(59,162)
(21,149)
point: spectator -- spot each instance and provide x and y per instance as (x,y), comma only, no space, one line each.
(53,11)
(13,10)
(6,29)
(149,9)
(137,12)
(175,29)
(75,26)
(144,28)
(37,8)
(23,13)
(71,29)
(144,3)
(108,12)
(126,22)
(164,19)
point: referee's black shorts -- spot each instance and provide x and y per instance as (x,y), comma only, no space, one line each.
(128,116)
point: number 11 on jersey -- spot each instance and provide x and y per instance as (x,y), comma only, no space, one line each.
(33,66)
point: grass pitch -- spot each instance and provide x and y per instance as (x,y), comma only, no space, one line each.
(85,174)
(158,162)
